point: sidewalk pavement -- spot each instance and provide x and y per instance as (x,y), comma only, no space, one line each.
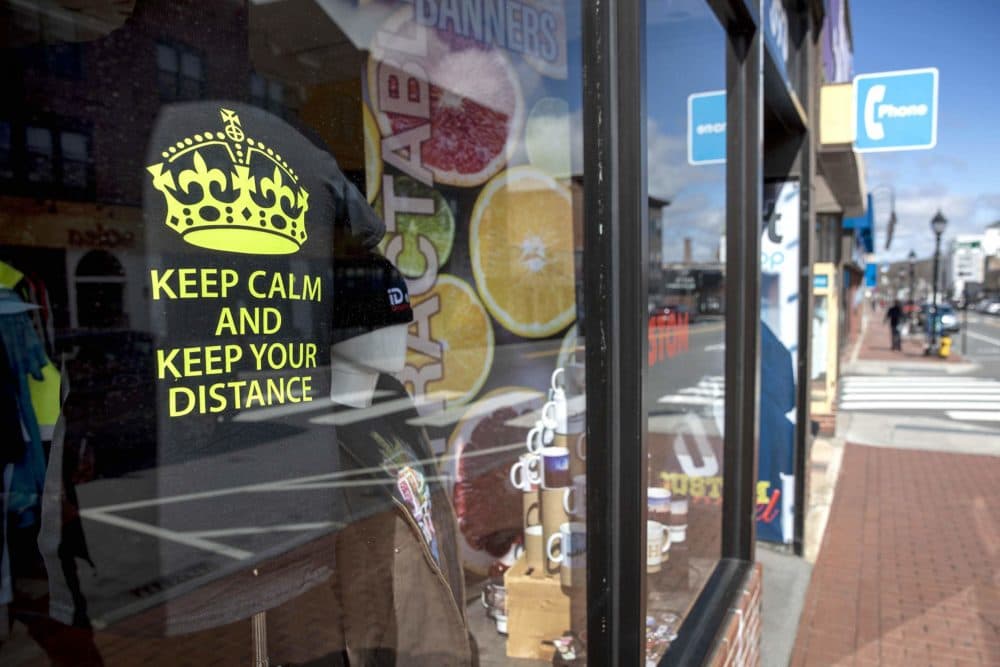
(876,344)
(908,570)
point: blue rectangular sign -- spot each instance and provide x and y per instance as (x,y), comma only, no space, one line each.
(896,111)
(871,275)
(821,281)
(706,135)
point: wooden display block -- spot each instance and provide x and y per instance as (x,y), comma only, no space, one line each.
(538,610)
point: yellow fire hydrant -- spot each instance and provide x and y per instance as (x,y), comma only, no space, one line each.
(944,350)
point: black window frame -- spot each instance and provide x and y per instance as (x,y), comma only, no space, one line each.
(616,235)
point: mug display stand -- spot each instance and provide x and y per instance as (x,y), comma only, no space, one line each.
(538,611)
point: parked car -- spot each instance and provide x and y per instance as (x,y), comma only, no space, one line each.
(949,319)
(946,313)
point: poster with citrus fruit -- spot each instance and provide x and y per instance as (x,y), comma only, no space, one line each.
(468,132)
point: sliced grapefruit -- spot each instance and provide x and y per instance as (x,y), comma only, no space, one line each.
(481,450)
(476,105)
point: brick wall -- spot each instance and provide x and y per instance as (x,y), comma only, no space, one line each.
(739,645)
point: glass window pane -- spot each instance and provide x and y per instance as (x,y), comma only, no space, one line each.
(275,91)
(166,58)
(190,89)
(40,166)
(166,85)
(685,386)
(323,350)
(6,161)
(258,87)
(39,140)
(190,65)
(74,146)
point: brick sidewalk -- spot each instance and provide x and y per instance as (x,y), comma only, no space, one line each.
(877,344)
(909,569)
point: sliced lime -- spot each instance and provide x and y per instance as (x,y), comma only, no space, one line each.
(437,227)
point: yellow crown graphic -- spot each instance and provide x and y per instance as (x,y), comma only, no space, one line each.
(215,198)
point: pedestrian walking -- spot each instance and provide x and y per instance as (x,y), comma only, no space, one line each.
(894,316)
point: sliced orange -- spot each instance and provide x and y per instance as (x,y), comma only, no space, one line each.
(521,244)
(464,331)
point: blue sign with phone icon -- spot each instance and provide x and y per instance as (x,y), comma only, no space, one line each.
(896,111)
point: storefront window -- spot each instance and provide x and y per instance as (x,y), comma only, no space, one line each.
(305,347)
(685,385)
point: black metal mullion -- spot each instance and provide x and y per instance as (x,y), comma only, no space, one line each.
(615,293)
(744,169)
(807,233)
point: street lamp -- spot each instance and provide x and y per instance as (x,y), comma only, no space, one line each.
(938,223)
(913,261)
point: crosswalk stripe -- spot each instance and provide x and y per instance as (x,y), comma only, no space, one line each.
(916,380)
(973,415)
(917,405)
(960,398)
(903,396)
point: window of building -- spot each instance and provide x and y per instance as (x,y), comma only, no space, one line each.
(270,94)
(6,158)
(75,155)
(180,73)
(41,154)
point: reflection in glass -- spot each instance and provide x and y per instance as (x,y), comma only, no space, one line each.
(686,322)
(302,275)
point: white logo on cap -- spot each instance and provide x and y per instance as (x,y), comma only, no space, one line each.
(396,296)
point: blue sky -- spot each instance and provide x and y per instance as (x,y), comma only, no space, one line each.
(961,175)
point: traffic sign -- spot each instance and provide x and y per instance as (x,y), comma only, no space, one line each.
(896,111)
(706,135)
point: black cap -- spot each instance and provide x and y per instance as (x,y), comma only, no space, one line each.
(369,293)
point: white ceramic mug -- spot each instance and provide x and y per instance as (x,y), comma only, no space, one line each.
(526,473)
(555,467)
(494,599)
(572,554)
(539,436)
(533,553)
(501,621)
(550,415)
(677,533)
(554,380)
(657,546)
(658,504)
(575,497)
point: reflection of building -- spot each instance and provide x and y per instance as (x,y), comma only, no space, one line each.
(964,266)
(73,142)
(843,229)
(655,263)
(697,287)
(80,104)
